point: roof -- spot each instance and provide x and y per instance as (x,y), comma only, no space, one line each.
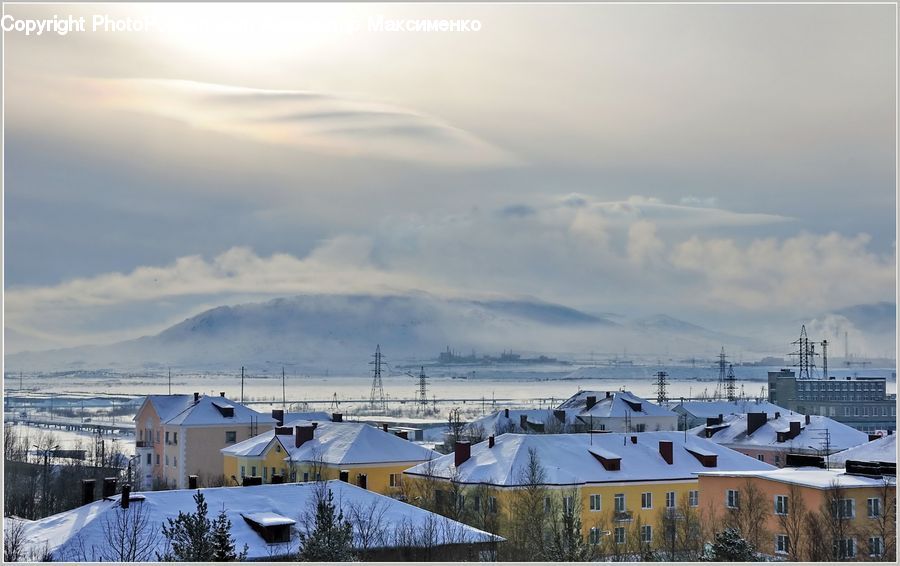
(338,444)
(318,416)
(497,423)
(882,449)
(807,476)
(712,409)
(733,432)
(206,412)
(65,533)
(167,406)
(569,459)
(616,404)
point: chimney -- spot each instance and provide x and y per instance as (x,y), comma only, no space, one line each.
(192,482)
(491,441)
(777,415)
(221,393)
(634,440)
(88,488)
(315,425)
(665,450)
(523,422)
(362,480)
(506,413)
(402,434)
(560,415)
(807,419)
(795,429)
(607,395)
(302,434)
(754,421)
(721,418)
(461,452)
(337,417)
(196,397)
(109,487)
(283,430)
(384,427)
(591,401)
(344,476)
(125,500)
(278,415)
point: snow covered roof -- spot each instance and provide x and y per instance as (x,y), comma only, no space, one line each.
(614,404)
(167,406)
(882,449)
(208,411)
(338,444)
(268,519)
(807,476)
(502,420)
(318,416)
(65,534)
(811,436)
(712,409)
(572,459)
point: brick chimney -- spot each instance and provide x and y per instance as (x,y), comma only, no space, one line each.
(461,452)
(337,417)
(491,441)
(807,419)
(196,397)
(278,415)
(302,434)
(125,501)
(88,488)
(506,413)
(794,431)
(665,450)
(591,401)
(384,427)
(221,393)
(634,440)
(754,421)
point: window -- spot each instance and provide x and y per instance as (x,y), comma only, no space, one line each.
(620,502)
(230,437)
(273,470)
(876,546)
(781,505)
(855,411)
(846,410)
(167,437)
(646,533)
(670,500)
(395,480)
(265,473)
(777,460)
(174,438)
(243,471)
(844,548)
(595,502)
(492,504)
(781,544)
(693,498)
(640,427)
(305,476)
(733,499)
(620,535)
(252,470)
(476,503)
(595,535)
(149,459)
(167,459)
(548,504)
(761,457)
(844,509)
(646,500)
(568,504)
(873,504)
(175,461)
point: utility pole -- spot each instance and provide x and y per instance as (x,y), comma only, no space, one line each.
(170,381)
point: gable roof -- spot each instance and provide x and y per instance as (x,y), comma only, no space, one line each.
(341,443)
(712,409)
(614,404)
(167,406)
(733,432)
(882,449)
(207,411)
(572,459)
(498,421)
(66,533)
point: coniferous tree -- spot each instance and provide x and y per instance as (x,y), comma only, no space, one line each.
(730,546)
(331,537)
(223,548)
(190,535)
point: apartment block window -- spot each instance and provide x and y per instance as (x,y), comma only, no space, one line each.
(844,509)
(167,459)
(174,438)
(733,499)
(167,437)
(230,437)
(476,503)
(595,502)
(646,533)
(395,480)
(873,505)
(492,504)
(876,546)
(619,535)
(620,502)
(595,535)
(846,409)
(243,471)
(694,498)
(646,500)
(149,459)
(175,461)
(844,548)
(781,505)
(761,457)
(568,504)
(265,473)
(305,476)
(252,470)
(781,544)
(670,500)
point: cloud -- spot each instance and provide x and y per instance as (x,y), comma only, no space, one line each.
(310,121)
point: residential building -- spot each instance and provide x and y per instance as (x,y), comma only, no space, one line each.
(528,420)
(880,450)
(695,413)
(367,456)
(860,402)
(862,507)
(267,518)
(770,438)
(619,411)
(613,479)
(177,436)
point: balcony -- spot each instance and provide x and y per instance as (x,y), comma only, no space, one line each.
(623,516)
(143,444)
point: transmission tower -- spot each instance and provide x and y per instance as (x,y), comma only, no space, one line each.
(422,393)
(805,354)
(376,397)
(722,376)
(661,383)
(730,385)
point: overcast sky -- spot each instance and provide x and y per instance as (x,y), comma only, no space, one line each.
(729,165)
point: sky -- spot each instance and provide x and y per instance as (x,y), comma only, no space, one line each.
(730,165)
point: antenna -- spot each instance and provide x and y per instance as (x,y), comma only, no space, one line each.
(661,383)
(376,397)
(730,384)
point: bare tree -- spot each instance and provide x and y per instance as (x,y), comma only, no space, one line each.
(793,523)
(369,523)
(837,514)
(884,523)
(13,540)
(530,510)
(750,514)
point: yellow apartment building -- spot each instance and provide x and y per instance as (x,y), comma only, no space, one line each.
(358,453)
